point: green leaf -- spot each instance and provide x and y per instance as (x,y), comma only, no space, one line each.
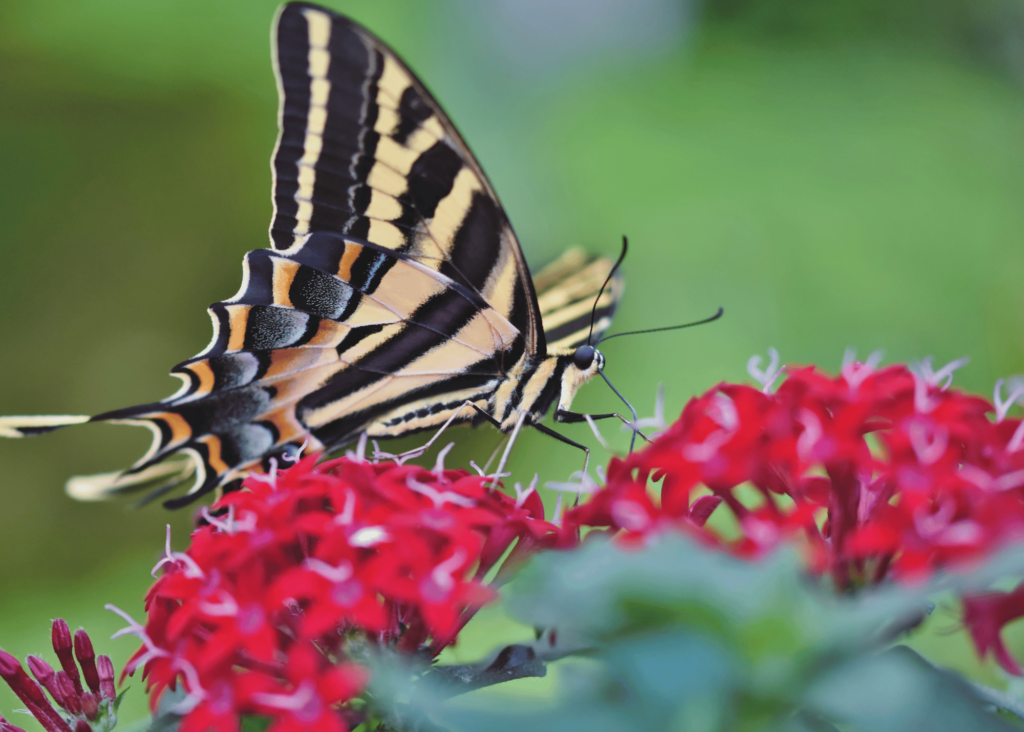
(165,719)
(898,690)
(680,637)
(120,697)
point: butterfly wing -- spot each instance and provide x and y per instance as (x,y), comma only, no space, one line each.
(394,290)
(566,291)
(365,150)
(320,341)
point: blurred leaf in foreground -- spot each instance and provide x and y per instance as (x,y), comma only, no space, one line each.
(680,637)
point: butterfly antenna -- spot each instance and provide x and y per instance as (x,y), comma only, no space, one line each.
(714,317)
(593,313)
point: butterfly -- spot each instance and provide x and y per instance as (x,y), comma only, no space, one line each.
(394,297)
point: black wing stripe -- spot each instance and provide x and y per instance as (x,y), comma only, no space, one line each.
(307,115)
(337,112)
(412,351)
(289,304)
(413,111)
(477,243)
(375,157)
(431,178)
(346,428)
(340,131)
(291,66)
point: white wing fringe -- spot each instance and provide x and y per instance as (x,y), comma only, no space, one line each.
(35,424)
(103,485)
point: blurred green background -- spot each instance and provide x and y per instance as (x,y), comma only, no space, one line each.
(843,173)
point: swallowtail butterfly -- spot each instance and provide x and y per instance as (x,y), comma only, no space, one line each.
(394,297)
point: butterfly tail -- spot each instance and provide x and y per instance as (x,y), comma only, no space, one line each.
(156,480)
(27,426)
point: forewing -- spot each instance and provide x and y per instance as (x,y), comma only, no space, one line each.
(365,150)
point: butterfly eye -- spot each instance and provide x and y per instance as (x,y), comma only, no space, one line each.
(583,357)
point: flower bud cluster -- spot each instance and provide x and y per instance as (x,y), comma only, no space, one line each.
(289,578)
(74,707)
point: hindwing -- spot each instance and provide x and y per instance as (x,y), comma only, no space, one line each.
(320,341)
(566,293)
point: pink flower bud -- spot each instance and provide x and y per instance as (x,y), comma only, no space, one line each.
(61,637)
(87,659)
(8,665)
(31,694)
(82,726)
(40,668)
(106,673)
(44,672)
(90,705)
(72,702)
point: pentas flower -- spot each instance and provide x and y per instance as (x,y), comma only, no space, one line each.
(75,708)
(286,579)
(878,472)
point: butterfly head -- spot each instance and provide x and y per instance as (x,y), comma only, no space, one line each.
(578,367)
(588,360)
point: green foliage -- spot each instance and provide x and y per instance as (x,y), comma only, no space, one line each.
(986,32)
(679,637)
(255,723)
(862,192)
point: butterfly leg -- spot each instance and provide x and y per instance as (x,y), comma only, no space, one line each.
(562,438)
(567,417)
(418,451)
(508,448)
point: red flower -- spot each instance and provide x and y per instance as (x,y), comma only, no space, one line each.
(877,473)
(314,690)
(985,615)
(256,616)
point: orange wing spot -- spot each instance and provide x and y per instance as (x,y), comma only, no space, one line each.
(329,334)
(284,274)
(214,459)
(288,427)
(181,431)
(205,374)
(238,317)
(352,252)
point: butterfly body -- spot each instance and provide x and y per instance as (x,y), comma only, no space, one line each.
(394,297)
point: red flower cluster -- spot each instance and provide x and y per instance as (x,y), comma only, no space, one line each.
(83,710)
(259,614)
(879,472)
